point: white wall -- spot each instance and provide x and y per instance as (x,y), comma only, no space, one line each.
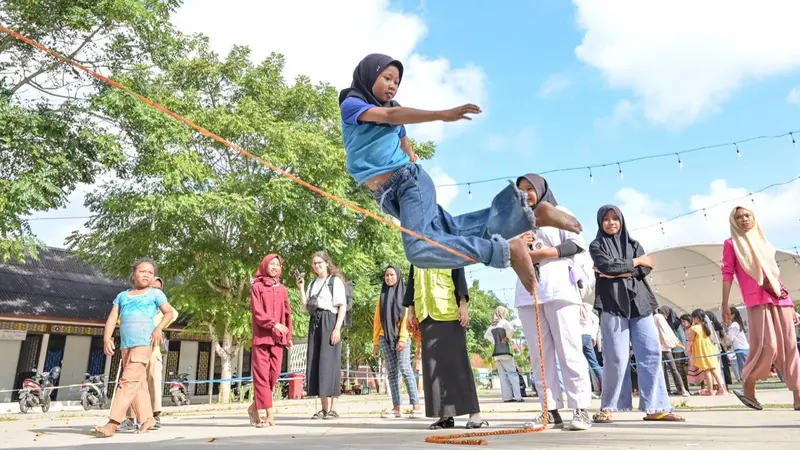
(188,358)
(74,365)
(8,370)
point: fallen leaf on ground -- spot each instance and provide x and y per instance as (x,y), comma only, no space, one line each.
(212,439)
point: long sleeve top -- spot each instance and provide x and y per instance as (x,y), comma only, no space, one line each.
(377,328)
(607,290)
(752,293)
(270,305)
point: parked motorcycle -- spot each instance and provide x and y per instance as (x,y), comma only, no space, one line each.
(241,390)
(93,392)
(177,388)
(37,389)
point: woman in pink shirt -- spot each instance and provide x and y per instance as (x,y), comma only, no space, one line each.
(770,312)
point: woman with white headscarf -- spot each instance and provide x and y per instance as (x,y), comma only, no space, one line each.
(750,257)
(499,334)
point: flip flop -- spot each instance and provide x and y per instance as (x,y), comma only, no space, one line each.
(602,417)
(664,417)
(747,401)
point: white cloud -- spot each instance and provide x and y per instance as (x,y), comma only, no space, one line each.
(793,97)
(685,58)
(553,85)
(444,195)
(325,40)
(778,211)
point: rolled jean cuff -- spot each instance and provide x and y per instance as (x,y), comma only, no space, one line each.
(501,253)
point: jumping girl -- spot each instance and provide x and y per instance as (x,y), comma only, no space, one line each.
(137,309)
(379,154)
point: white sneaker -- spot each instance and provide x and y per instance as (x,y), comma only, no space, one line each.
(580,420)
(552,422)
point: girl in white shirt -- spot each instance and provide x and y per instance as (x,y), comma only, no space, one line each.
(560,313)
(736,338)
(499,334)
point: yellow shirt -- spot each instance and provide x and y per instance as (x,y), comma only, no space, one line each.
(377,328)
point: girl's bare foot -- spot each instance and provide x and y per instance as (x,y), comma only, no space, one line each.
(548,216)
(146,425)
(749,388)
(107,430)
(521,263)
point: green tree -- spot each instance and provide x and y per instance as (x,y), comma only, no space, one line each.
(208,215)
(481,309)
(50,140)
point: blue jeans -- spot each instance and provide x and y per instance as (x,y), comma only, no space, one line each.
(741,358)
(591,357)
(618,335)
(410,195)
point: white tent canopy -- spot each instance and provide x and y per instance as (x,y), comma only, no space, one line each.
(688,277)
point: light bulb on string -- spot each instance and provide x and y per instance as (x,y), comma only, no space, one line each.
(621,175)
(684,285)
(685,273)
(794,143)
(662,227)
(680,163)
(705,215)
(469,188)
(713,278)
(591,177)
(738,152)
(752,199)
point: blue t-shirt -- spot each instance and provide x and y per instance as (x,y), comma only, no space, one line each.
(372,149)
(137,315)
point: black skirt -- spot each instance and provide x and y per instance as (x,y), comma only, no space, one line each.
(447,378)
(324,361)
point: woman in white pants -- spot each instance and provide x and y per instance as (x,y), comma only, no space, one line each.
(499,334)
(560,314)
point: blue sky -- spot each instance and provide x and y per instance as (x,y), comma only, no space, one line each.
(562,84)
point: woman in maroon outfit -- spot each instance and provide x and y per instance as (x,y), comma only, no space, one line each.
(272,330)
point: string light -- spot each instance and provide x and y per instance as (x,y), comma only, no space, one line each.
(680,163)
(685,273)
(621,176)
(752,199)
(738,153)
(636,159)
(684,285)
(705,215)
(794,143)
(722,203)
(469,187)
(591,177)
(713,278)
(662,228)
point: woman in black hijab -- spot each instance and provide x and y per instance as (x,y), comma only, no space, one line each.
(390,332)
(627,304)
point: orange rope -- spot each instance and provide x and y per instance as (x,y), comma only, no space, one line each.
(352,206)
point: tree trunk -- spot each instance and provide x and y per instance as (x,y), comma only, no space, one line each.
(225,349)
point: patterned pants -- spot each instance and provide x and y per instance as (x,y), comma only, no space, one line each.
(400,363)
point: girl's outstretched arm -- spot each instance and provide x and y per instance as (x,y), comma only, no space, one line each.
(400,115)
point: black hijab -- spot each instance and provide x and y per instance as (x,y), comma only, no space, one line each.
(672,319)
(619,246)
(365,75)
(391,307)
(543,192)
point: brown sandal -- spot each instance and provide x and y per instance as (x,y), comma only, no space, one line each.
(664,417)
(106,431)
(602,417)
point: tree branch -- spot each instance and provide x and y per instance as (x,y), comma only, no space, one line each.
(51,66)
(216,288)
